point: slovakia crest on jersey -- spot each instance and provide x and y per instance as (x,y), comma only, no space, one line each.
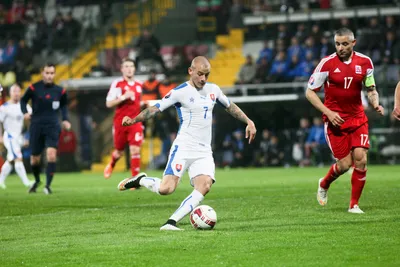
(358,69)
(178,167)
(212,96)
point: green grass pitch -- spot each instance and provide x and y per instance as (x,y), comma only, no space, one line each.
(266,217)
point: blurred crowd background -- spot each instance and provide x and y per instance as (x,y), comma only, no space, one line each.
(262,53)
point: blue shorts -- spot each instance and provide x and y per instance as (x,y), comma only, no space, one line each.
(42,136)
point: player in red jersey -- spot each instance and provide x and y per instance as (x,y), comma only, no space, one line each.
(125,95)
(343,75)
(396,109)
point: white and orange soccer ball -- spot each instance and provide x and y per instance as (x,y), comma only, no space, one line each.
(203,217)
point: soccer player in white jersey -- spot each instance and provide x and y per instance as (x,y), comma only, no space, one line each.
(13,121)
(194,101)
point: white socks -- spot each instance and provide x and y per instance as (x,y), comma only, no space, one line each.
(151,183)
(187,205)
(5,171)
(20,170)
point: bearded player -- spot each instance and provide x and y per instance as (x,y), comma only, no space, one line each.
(343,75)
(125,94)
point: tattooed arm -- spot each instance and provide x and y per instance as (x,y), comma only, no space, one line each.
(146,114)
(373,98)
(238,114)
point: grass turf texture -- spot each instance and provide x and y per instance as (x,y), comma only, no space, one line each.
(266,217)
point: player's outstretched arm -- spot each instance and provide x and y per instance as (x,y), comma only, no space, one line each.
(396,109)
(373,98)
(146,114)
(314,99)
(237,113)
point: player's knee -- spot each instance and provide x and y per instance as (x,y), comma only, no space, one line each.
(118,153)
(345,164)
(166,189)
(134,150)
(360,158)
(35,160)
(203,184)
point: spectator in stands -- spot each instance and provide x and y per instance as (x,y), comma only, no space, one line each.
(316,32)
(372,36)
(151,88)
(266,52)
(316,142)
(301,135)
(8,56)
(32,11)
(235,15)
(326,47)
(24,59)
(283,34)
(66,151)
(149,48)
(295,49)
(275,153)
(262,152)
(293,68)
(278,72)
(3,14)
(165,86)
(41,39)
(247,72)
(301,32)
(303,70)
(227,154)
(262,71)
(16,12)
(388,47)
(311,47)
(56,35)
(72,30)
(238,148)
(390,24)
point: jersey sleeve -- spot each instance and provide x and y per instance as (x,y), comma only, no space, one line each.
(320,75)
(222,99)
(369,80)
(171,98)
(114,91)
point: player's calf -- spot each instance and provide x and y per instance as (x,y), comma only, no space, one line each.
(168,184)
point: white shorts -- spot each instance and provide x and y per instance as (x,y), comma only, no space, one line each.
(13,146)
(196,163)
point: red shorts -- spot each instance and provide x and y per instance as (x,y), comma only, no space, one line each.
(342,142)
(132,135)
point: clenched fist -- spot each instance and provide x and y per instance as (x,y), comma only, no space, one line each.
(126,121)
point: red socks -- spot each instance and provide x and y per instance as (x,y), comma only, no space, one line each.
(114,159)
(357,184)
(331,176)
(135,164)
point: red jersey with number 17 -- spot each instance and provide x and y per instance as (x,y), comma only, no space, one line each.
(343,82)
(130,107)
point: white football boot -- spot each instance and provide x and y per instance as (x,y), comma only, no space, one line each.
(355,209)
(322,194)
(170,227)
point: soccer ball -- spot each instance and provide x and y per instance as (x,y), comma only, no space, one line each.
(203,217)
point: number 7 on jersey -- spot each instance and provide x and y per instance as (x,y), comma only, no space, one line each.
(205,112)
